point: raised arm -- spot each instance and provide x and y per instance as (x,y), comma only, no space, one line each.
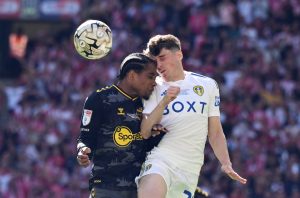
(149,120)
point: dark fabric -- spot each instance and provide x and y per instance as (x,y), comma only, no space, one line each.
(113,134)
(103,193)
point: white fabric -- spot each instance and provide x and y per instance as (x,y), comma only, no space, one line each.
(186,118)
(180,184)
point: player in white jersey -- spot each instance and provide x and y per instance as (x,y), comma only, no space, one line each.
(187,104)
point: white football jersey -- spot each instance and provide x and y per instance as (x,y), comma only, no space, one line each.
(186,118)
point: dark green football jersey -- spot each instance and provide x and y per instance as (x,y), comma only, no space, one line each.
(110,126)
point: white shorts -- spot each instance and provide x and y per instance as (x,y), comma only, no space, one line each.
(180,183)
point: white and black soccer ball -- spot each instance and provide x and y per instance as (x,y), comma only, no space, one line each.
(93,39)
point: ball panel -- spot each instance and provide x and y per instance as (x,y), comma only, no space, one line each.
(93,39)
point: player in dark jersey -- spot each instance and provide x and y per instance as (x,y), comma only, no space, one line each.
(110,130)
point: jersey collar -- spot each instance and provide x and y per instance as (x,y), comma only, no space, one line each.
(125,94)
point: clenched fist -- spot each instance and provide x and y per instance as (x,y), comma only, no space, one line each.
(82,156)
(171,94)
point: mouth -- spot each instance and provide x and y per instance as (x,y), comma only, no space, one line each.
(163,72)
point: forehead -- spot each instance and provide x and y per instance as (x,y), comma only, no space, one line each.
(164,52)
(150,68)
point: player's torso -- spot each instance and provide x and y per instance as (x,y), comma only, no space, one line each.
(186,118)
(120,149)
(192,101)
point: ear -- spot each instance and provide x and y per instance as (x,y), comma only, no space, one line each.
(179,54)
(131,75)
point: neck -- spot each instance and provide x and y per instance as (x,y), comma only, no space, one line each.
(179,75)
(126,88)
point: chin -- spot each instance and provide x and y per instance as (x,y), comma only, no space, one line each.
(146,97)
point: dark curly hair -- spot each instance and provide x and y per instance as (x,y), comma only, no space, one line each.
(136,62)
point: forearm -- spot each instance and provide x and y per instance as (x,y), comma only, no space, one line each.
(151,119)
(219,146)
(86,140)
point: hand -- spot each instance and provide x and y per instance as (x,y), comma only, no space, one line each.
(232,174)
(172,93)
(83,158)
(157,128)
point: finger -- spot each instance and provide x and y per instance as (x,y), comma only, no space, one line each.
(82,159)
(237,177)
(81,156)
(159,128)
(156,133)
(86,150)
(85,164)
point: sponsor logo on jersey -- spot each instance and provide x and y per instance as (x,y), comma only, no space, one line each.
(84,129)
(96,181)
(163,93)
(87,116)
(121,111)
(185,106)
(217,101)
(133,116)
(182,92)
(123,136)
(199,90)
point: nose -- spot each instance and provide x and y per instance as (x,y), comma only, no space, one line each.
(159,66)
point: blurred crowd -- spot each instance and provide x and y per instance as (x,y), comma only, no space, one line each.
(250,47)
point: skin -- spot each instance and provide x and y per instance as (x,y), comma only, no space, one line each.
(169,66)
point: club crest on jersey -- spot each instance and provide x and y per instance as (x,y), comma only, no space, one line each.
(199,90)
(87,116)
(121,111)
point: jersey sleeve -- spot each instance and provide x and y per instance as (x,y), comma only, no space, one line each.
(151,103)
(214,103)
(90,121)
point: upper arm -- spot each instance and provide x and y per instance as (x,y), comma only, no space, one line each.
(214,99)
(90,120)
(214,122)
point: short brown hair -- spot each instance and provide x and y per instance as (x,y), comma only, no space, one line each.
(158,42)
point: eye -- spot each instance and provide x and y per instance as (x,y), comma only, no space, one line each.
(151,77)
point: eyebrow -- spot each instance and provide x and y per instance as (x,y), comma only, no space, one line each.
(160,56)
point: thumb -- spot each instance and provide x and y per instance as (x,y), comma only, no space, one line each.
(86,150)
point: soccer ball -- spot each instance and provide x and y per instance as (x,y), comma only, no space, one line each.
(93,39)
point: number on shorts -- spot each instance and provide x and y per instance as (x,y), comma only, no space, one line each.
(188,193)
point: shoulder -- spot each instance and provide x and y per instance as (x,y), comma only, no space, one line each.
(104,91)
(99,94)
(202,78)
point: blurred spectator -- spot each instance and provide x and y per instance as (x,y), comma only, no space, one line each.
(250,47)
